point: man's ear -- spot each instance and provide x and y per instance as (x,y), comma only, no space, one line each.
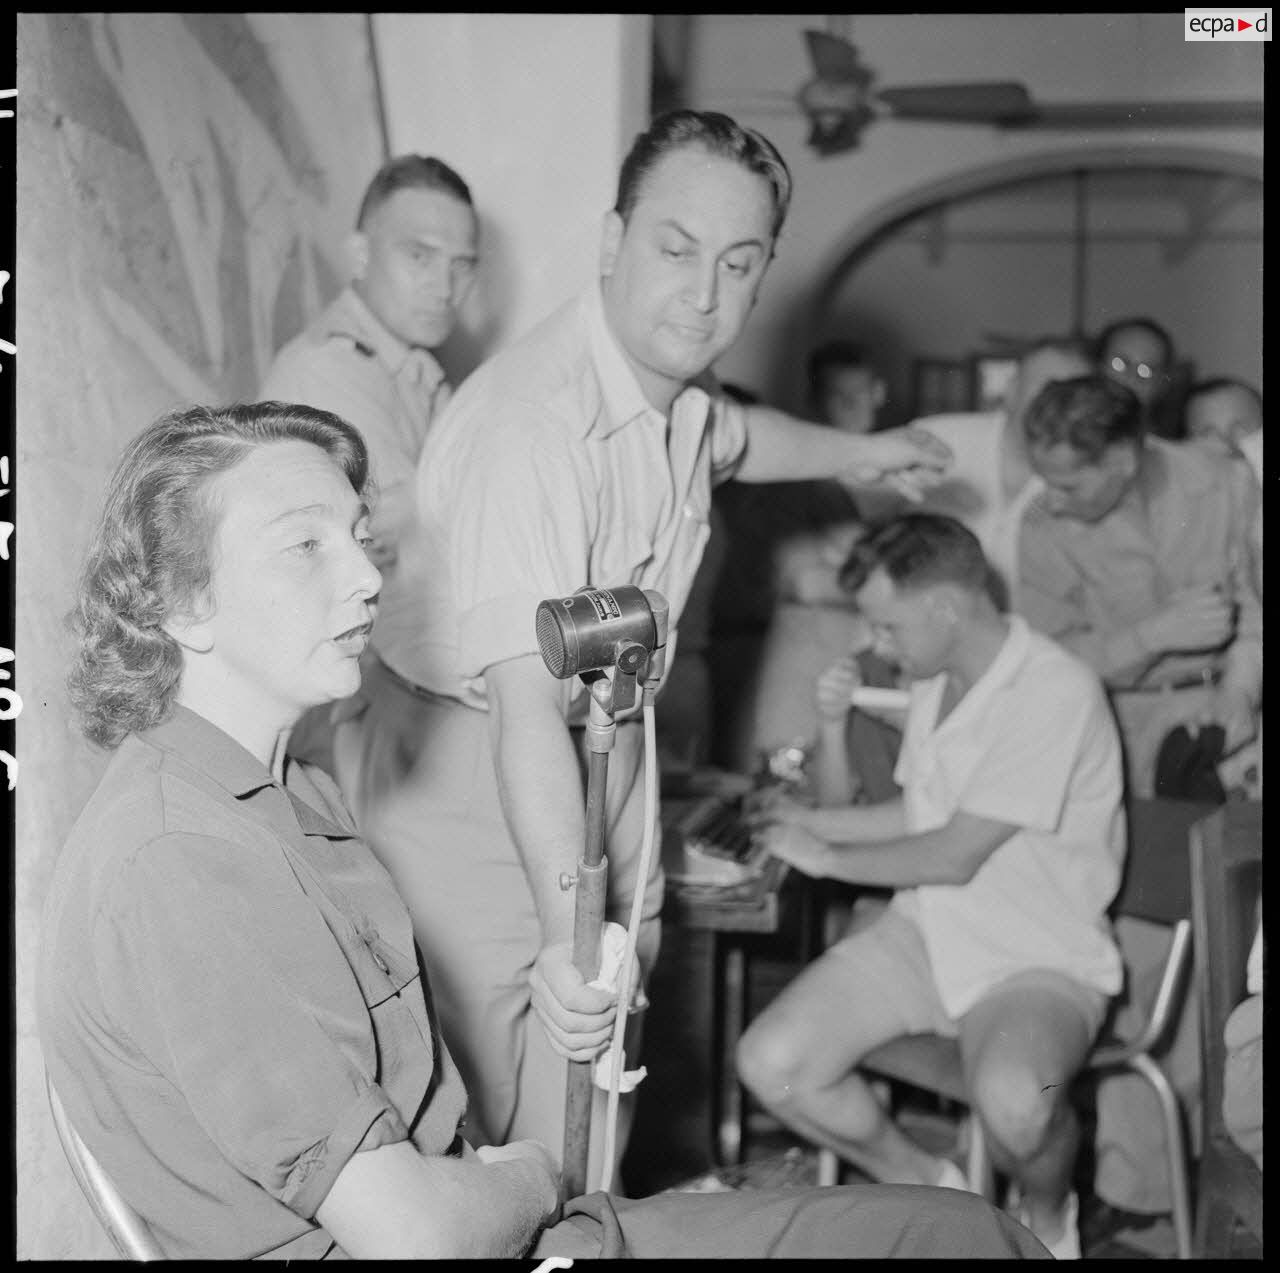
(190,628)
(610,241)
(946,602)
(357,252)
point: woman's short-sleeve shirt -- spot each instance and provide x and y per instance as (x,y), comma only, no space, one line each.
(229,995)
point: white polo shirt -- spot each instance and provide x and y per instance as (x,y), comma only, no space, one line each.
(1032,743)
(550,470)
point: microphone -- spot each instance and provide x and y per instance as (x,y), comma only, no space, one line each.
(597,628)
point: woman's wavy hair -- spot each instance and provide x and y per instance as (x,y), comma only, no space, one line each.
(150,555)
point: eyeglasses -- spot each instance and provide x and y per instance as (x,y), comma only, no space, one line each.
(1143,370)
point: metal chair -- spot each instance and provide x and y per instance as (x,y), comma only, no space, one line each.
(1155,887)
(127,1230)
(1226,882)
(930,1063)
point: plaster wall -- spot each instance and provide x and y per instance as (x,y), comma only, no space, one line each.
(536,110)
(183,185)
(751,65)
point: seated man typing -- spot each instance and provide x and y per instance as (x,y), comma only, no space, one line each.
(1004,849)
(231,1007)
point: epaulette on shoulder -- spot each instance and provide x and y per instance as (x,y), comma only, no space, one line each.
(358,345)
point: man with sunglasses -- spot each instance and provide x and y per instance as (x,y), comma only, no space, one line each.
(1138,353)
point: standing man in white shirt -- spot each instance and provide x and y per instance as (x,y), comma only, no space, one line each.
(1004,851)
(582,454)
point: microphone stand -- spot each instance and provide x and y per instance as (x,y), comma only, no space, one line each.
(612,690)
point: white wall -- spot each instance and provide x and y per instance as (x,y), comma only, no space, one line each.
(536,111)
(991,272)
(738,60)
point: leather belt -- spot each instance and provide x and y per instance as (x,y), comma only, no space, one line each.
(1207,679)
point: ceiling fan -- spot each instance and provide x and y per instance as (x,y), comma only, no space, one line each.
(840,101)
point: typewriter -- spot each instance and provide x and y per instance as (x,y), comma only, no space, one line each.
(707,843)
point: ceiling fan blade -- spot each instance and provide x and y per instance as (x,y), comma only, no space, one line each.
(989,102)
(833,58)
(1208,113)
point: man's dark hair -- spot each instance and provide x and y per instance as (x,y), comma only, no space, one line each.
(916,550)
(834,353)
(1150,325)
(718,135)
(411,172)
(1215,384)
(1087,413)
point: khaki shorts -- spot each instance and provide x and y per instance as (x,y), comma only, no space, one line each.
(890,954)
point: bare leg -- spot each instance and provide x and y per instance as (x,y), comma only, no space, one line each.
(1022,1047)
(798,1057)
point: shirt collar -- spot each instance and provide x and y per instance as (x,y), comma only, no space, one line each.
(350,316)
(1134,505)
(1002,669)
(624,400)
(202,746)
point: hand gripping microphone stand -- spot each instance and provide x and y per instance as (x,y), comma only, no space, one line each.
(610,638)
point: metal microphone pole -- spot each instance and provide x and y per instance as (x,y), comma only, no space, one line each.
(607,636)
(588,920)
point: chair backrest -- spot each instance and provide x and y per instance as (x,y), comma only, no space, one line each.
(1156,885)
(127,1230)
(1226,882)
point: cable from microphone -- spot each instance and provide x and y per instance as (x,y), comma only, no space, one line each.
(612,638)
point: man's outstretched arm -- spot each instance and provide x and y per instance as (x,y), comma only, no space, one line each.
(783,448)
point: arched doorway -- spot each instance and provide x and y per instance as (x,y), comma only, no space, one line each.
(1052,244)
